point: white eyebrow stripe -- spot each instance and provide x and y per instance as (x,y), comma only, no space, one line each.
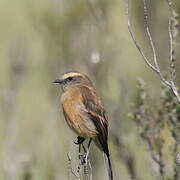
(71,74)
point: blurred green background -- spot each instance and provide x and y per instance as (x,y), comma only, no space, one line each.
(40,40)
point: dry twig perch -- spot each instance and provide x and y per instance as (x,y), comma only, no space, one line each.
(84,168)
(172,29)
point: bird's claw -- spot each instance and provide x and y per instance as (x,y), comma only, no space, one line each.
(80,140)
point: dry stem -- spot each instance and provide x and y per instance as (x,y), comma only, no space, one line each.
(155,67)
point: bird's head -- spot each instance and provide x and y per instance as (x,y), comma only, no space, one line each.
(71,79)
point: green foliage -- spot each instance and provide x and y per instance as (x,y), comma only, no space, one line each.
(160,128)
(39,40)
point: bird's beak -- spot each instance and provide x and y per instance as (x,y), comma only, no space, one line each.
(58,81)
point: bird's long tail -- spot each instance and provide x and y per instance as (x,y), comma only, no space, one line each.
(108,165)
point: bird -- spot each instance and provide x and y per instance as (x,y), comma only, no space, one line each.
(85,113)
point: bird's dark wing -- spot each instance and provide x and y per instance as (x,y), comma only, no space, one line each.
(95,111)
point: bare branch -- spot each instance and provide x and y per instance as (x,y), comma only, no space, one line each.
(158,71)
(135,41)
(90,167)
(156,67)
(172,29)
(152,45)
(70,167)
(84,168)
(170,39)
(150,36)
(175,90)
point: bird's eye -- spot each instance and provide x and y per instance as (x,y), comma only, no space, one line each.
(70,78)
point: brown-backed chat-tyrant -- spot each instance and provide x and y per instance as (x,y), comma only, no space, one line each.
(84,112)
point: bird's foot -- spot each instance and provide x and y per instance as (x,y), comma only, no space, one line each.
(80,140)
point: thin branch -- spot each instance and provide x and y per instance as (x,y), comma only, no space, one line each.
(135,41)
(70,167)
(150,36)
(152,45)
(170,39)
(83,162)
(172,29)
(155,68)
(175,90)
(90,167)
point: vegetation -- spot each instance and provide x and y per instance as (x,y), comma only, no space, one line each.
(39,40)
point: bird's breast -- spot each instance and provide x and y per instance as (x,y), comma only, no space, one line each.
(75,114)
